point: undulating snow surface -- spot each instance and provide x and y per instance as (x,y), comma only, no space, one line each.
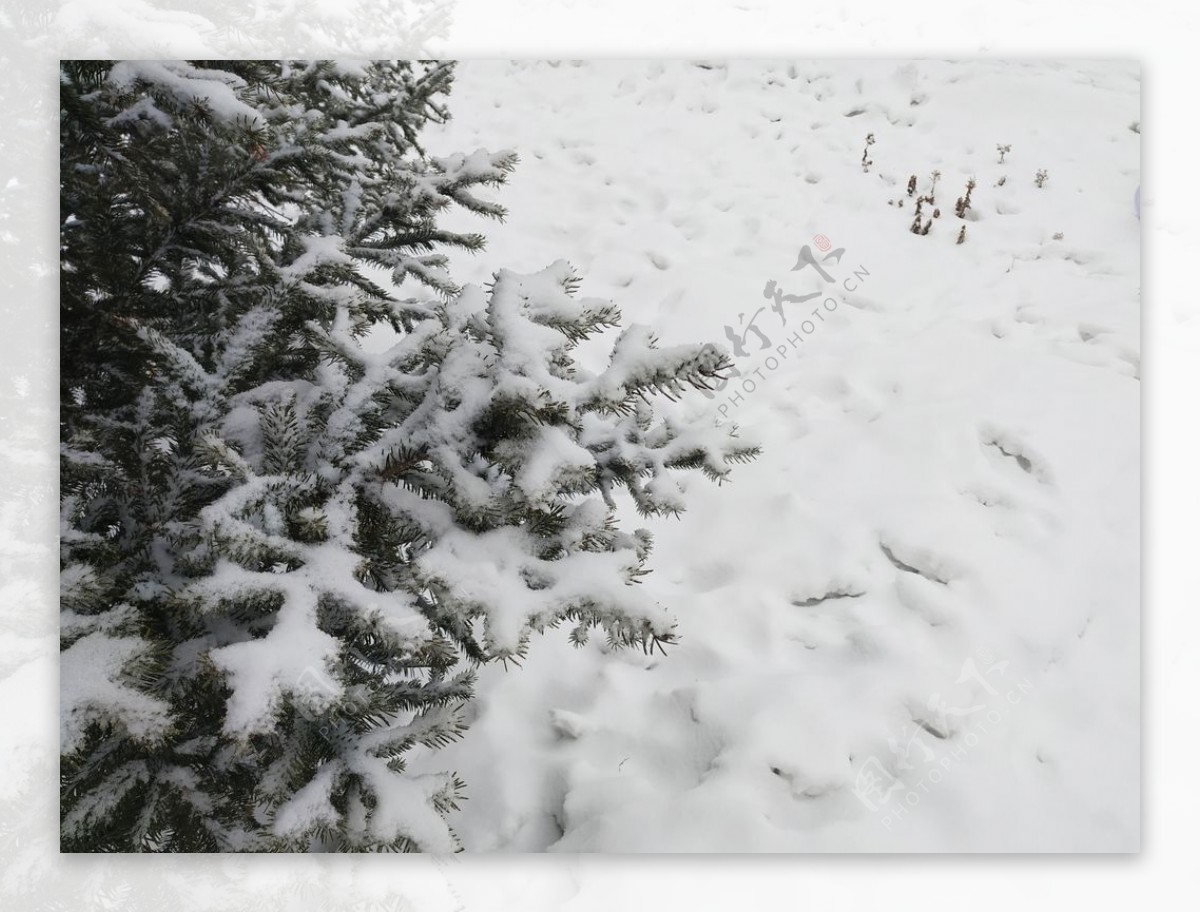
(913,623)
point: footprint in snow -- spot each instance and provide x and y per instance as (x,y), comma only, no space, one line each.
(923,562)
(1007,447)
(1106,340)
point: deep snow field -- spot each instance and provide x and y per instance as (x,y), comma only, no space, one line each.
(913,623)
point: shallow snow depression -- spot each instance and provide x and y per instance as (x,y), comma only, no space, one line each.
(913,623)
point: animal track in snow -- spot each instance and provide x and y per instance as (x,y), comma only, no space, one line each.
(912,560)
(1012,448)
(841,593)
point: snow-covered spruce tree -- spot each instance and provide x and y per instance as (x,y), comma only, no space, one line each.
(284,553)
(210,218)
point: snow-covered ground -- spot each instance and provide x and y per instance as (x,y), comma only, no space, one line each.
(913,623)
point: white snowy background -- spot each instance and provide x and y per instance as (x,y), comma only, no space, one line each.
(36,32)
(913,623)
